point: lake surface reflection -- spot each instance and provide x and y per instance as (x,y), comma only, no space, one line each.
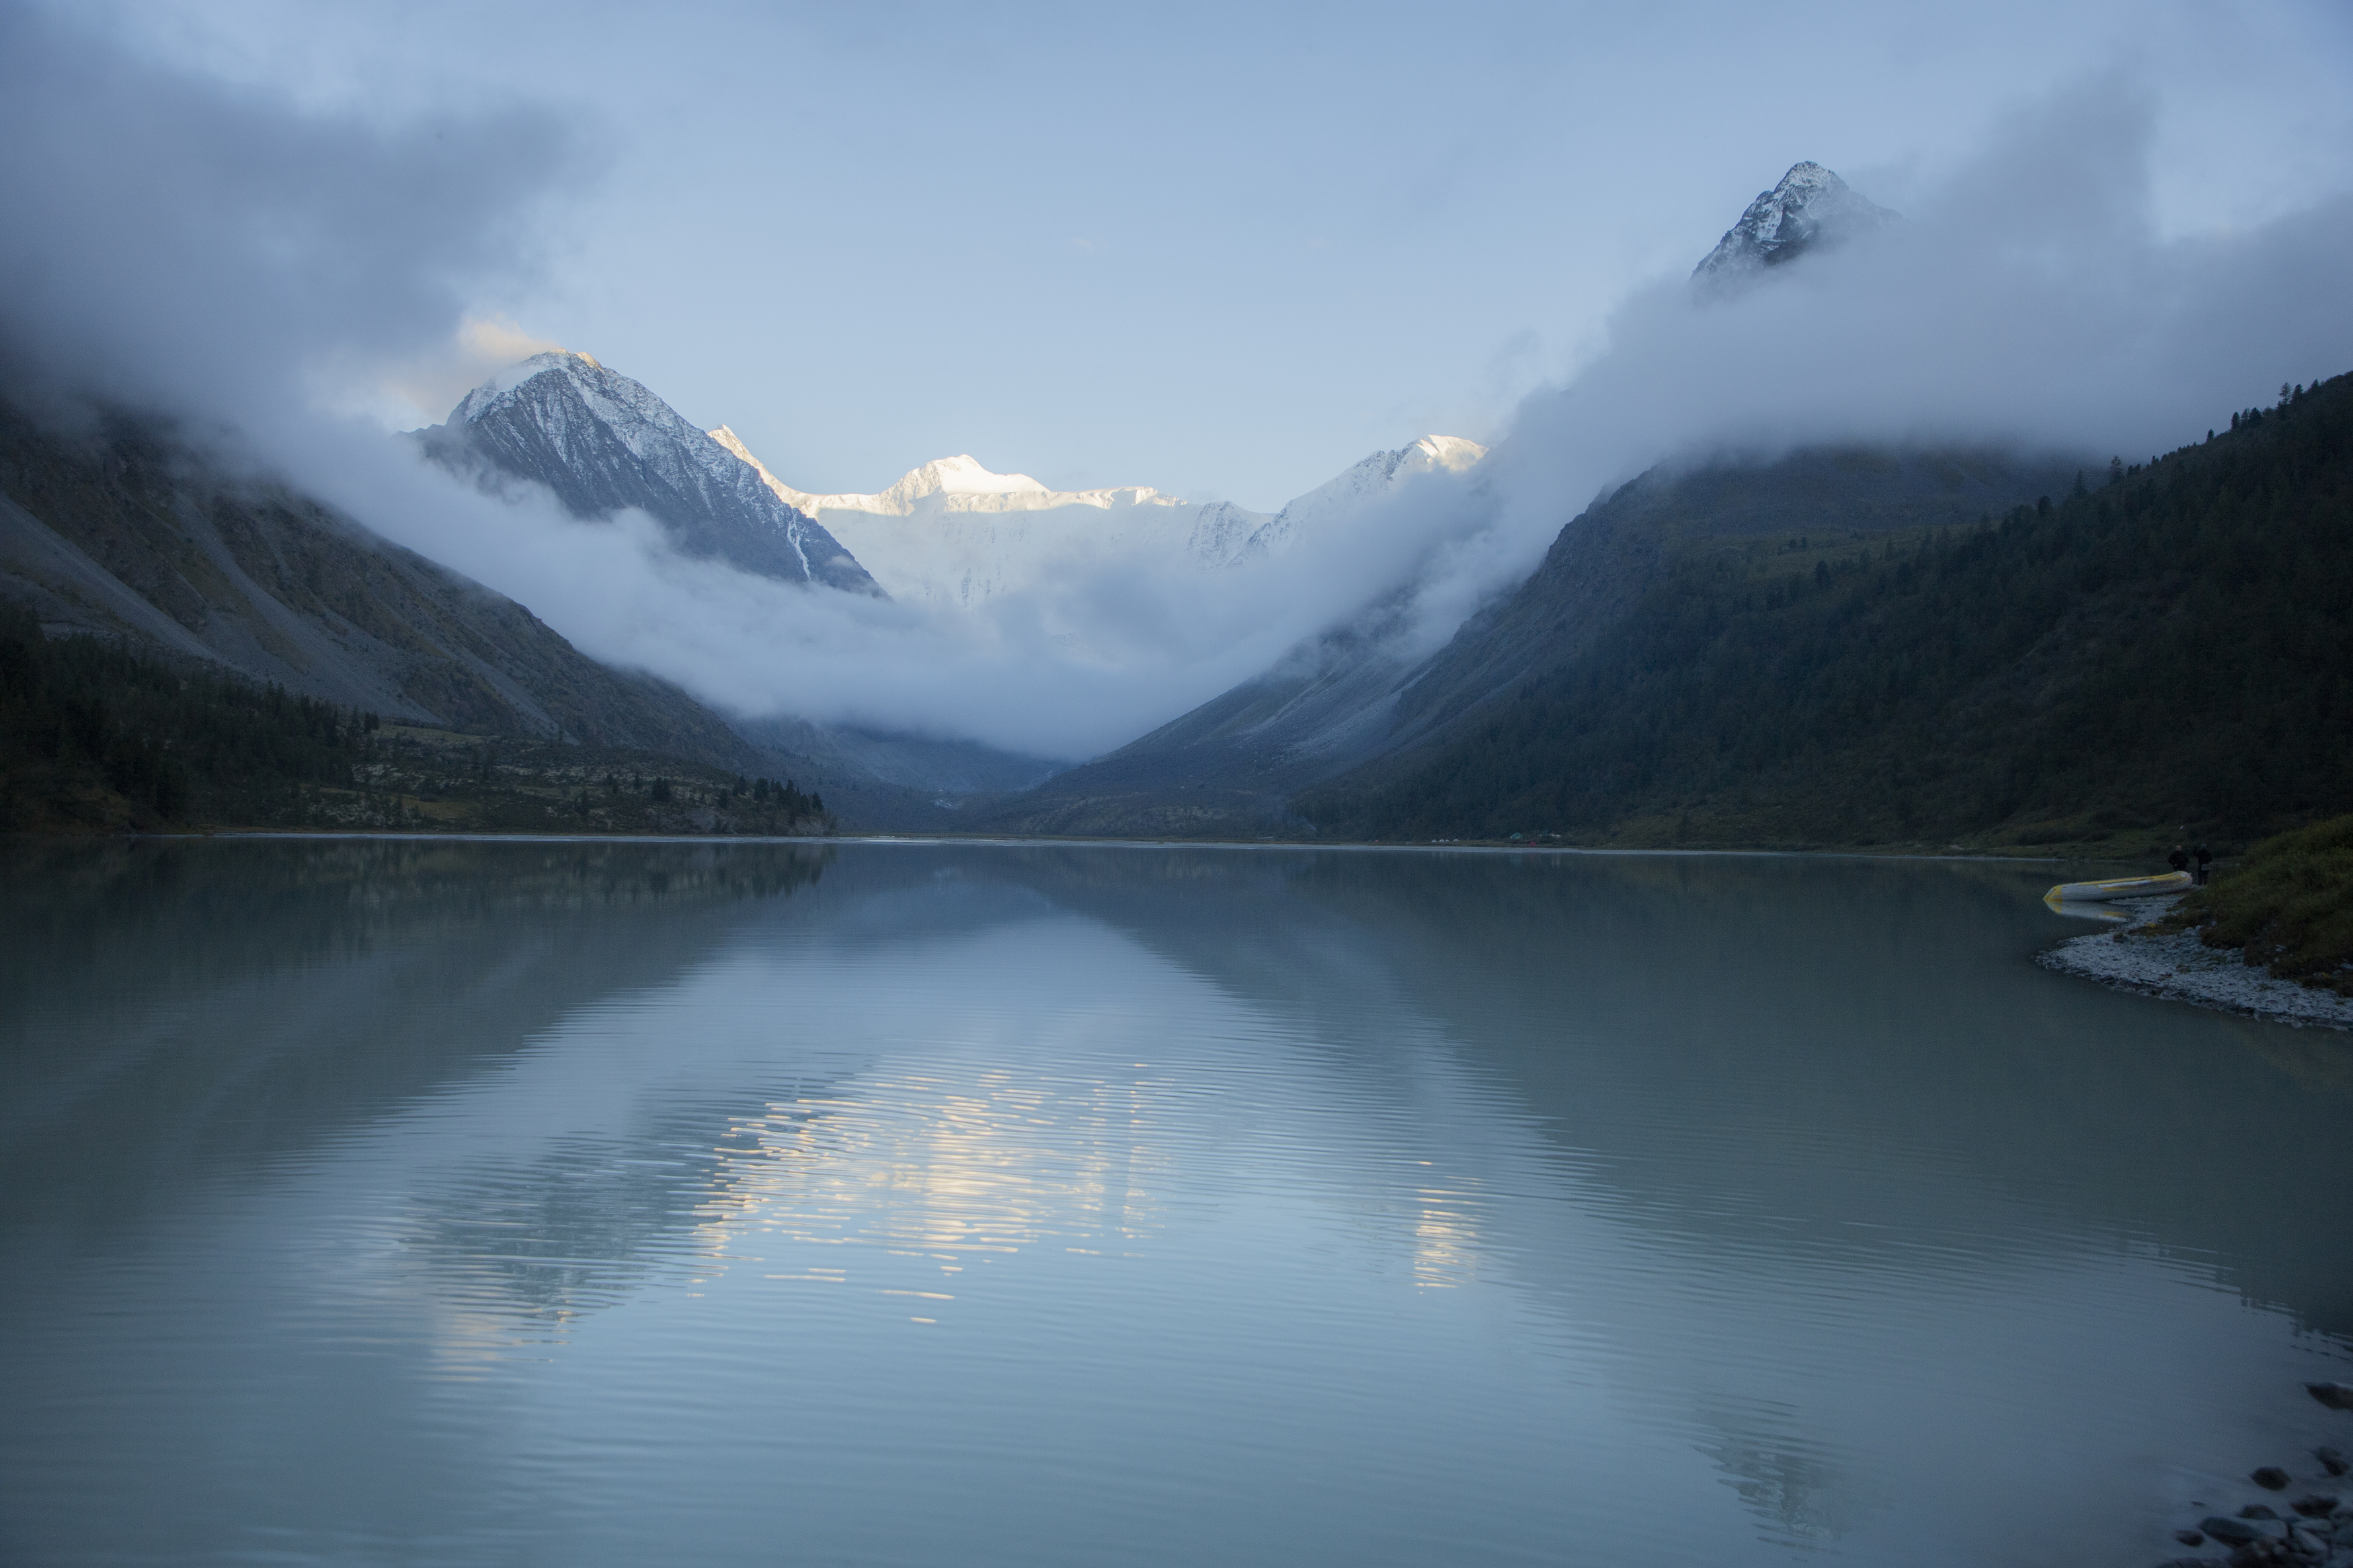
(585,1204)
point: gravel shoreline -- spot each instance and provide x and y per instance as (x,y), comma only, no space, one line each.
(2277,1529)
(2180,968)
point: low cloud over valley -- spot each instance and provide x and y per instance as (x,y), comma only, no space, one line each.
(273,275)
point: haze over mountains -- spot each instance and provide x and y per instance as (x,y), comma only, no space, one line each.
(1363,692)
(950,533)
(2155,651)
(131,532)
(953,538)
(953,532)
(602,448)
(955,635)
(1374,686)
(955,545)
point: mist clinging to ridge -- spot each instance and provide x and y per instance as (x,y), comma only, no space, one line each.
(248,253)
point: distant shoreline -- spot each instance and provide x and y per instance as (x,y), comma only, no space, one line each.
(2178,967)
(1452,846)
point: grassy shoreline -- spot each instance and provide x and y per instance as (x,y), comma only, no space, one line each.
(2287,907)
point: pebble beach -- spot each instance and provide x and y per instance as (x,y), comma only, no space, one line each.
(2180,968)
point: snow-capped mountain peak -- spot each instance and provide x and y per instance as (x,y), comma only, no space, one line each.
(1367,480)
(962,476)
(953,531)
(496,390)
(1452,453)
(947,484)
(603,442)
(1811,207)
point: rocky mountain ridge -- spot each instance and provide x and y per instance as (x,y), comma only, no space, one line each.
(1810,208)
(602,442)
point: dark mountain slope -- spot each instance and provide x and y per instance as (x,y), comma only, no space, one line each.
(1801,508)
(126,531)
(1346,700)
(2175,648)
(98,735)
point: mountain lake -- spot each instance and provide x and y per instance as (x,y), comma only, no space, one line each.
(466,1202)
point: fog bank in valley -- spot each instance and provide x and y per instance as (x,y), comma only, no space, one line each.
(252,268)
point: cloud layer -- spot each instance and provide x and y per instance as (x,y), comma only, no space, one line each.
(2027,301)
(175,242)
(242,262)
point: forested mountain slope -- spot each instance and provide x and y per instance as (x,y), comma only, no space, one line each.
(1809,505)
(1347,700)
(97,734)
(123,531)
(2171,649)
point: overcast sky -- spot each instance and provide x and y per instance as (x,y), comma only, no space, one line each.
(1221,250)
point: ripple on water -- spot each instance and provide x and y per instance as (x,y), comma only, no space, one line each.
(972,1205)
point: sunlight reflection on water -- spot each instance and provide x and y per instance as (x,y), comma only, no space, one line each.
(485,1203)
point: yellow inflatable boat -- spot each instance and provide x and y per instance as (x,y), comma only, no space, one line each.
(2121,888)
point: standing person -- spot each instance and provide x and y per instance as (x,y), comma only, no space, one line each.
(2179,859)
(2205,858)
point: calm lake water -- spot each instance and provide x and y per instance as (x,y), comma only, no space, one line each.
(631,1203)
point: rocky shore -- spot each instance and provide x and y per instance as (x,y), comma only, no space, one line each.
(2299,1524)
(2180,968)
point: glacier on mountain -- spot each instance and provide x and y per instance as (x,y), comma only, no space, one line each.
(953,532)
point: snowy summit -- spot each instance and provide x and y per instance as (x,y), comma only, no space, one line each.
(947,484)
(1811,208)
(603,443)
(955,533)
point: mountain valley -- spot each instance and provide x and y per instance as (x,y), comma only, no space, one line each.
(1905,609)
(2162,654)
(1349,700)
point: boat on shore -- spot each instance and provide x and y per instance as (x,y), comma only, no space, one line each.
(2118,887)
